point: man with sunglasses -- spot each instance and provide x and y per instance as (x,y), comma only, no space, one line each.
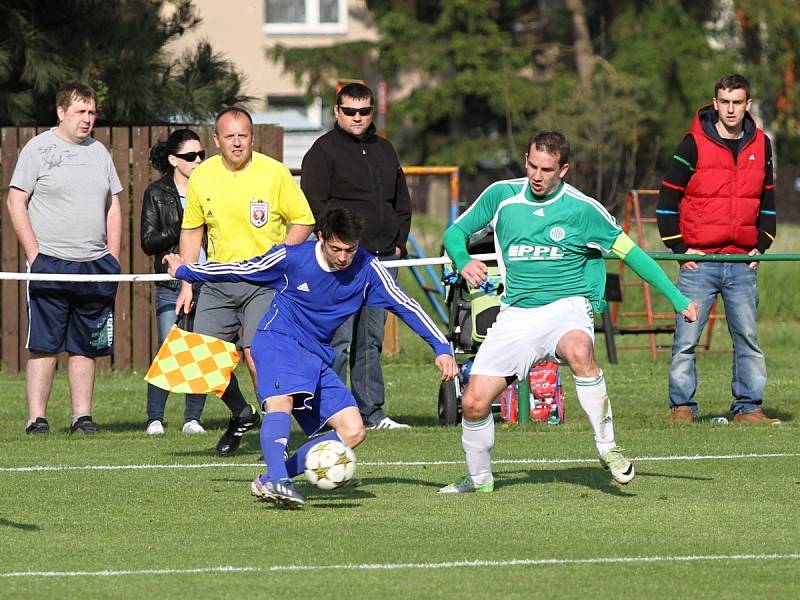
(352,167)
(246,202)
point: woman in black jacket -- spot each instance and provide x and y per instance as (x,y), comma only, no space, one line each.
(162,214)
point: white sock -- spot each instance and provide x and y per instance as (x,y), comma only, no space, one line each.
(477,439)
(594,402)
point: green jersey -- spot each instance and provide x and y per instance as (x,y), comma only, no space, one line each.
(548,247)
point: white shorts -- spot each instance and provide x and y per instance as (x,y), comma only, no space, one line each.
(521,337)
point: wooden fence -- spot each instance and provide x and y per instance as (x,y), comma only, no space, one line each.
(134,321)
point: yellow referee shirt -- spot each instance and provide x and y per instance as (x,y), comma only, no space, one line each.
(246,212)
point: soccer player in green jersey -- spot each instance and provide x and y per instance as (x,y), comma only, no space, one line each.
(550,239)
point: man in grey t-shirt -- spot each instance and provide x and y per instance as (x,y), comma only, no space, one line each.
(64,207)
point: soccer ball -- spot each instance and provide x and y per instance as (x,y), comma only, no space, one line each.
(330,465)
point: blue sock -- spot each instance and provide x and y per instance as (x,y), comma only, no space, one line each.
(297,461)
(274,437)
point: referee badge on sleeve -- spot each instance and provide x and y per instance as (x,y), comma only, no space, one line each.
(259,212)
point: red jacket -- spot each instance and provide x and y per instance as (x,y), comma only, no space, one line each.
(720,208)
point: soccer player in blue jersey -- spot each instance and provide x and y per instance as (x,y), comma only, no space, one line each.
(318,285)
(550,239)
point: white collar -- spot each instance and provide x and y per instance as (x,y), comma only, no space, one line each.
(323,264)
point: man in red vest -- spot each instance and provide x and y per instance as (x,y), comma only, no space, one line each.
(719,198)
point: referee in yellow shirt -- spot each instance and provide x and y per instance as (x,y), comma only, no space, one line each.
(247,203)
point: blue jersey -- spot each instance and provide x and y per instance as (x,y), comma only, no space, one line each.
(312,299)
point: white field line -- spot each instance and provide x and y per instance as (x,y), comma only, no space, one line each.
(398,463)
(459,564)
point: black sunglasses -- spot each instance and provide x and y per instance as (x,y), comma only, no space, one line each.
(351,112)
(191,156)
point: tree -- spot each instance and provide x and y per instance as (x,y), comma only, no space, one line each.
(30,62)
(466,65)
(666,49)
(584,55)
(622,79)
(200,82)
(767,36)
(117,47)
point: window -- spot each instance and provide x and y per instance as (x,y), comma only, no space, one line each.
(305,17)
(312,113)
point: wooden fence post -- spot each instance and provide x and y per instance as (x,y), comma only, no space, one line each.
(134,320)
(391,336)
(10,260)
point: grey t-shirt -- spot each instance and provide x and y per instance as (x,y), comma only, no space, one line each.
(70,187)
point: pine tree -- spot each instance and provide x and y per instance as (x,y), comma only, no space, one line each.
(118,47)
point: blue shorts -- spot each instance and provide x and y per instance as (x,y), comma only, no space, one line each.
(76,317)
(285,368)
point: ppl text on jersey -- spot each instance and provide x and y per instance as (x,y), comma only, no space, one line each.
(522,252)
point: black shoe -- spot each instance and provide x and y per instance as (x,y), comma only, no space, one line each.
(38,427)
(237,426)
(84,425)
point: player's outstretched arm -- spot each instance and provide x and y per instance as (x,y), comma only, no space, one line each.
(646,268)
(447,365)
(455,244)
(383,292)
(266,269)
(172,261)
(474,272)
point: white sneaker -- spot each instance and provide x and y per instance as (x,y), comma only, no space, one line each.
(193,426)
(387,423)
(464,485)
(621,468)
(155,428)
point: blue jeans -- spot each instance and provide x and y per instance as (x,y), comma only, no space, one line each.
(156,397)
(737,283)
(358,343)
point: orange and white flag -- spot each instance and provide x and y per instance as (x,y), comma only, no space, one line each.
(193,363)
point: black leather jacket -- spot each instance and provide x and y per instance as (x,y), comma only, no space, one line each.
(162,216)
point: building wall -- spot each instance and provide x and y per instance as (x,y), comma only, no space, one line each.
(295,146)
(237,29)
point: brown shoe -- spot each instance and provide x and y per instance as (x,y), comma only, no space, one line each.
(757,417)
(681,414)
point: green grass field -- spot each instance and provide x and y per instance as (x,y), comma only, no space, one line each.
(712,513)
